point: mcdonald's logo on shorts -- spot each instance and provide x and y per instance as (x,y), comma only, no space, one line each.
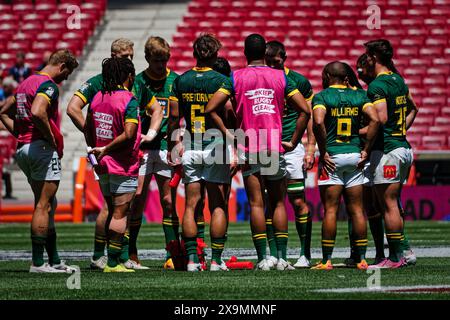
(389,172)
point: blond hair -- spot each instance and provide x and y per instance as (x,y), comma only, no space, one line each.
(157,46)
(121,44)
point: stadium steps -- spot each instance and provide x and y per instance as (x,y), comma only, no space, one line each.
(135,20)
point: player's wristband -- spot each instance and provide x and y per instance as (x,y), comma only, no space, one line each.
(151,134)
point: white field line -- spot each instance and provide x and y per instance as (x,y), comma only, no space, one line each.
(242,254)
(392,289)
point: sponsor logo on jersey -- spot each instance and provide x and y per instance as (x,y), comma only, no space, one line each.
(389,172)
(262,100)
(50,91)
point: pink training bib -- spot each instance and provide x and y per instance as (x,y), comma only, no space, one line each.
(25,95)
(108,112)
(259,93)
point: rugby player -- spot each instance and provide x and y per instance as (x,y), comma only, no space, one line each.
(392,156)
(202,151)
(296,170)
(155,82)
(259,92)
(83,96)
(337,112)
(374,213)
(39,152)
(113,130)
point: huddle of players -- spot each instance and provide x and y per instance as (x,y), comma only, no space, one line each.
(129,113)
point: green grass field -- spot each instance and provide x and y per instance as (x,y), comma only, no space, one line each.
(17,283)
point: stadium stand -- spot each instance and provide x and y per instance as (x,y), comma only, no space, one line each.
(317,32)
(35,27)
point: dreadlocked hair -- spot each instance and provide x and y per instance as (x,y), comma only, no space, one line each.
(115,72)
(384,52)
(351,76)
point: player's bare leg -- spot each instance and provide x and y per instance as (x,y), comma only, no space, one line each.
(254,187)
(99,259)
(303,220)
(330,196)
(44,193)
(116,231)
(354,202)
(167,196)
(219,223)
(374,214)
(189,226)
(201,227)
(408,253)
(276,193)
(389,194)
(135,220)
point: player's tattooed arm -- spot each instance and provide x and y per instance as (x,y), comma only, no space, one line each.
(412,111)
(6,114)
(40,118)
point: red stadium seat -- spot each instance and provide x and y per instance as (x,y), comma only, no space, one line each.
(46,8)
(415,141)
(420,130)
(434,142)
(23,8)
(29,17)
(429,109)
(5,8)
(442,121)
(446,111)
(31,27)
(439,130)
(8,18)
(41,46)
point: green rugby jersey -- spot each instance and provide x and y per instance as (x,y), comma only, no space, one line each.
(89,89)
(193,89)
(145,88)
(343,118)
(290,115)
(390,87)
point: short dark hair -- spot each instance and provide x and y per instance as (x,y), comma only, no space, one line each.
(332,72)
(255,47)
(206,47)
(222,66)
(275,47)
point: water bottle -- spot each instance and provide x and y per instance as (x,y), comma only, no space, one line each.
(91,157)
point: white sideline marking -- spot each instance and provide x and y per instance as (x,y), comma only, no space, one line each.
(241,253)
(394,289)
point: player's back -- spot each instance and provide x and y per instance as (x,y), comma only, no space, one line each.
(392,89)
(342,121)
(193,89)
(37,84)
(260,92)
